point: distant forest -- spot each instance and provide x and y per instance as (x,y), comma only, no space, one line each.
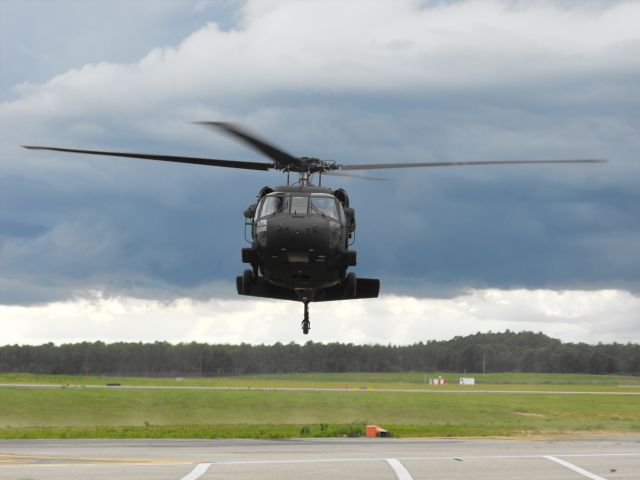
(508,351)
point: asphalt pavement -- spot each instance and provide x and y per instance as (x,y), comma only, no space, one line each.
(613,457)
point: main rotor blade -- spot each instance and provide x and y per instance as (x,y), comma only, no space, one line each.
(336,173)
(372,166)
(211,162)
(282,158)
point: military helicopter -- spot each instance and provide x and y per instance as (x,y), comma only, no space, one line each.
(300,233)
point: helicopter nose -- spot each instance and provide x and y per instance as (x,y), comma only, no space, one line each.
(299,239)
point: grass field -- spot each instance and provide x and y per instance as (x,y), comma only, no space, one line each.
(82,413)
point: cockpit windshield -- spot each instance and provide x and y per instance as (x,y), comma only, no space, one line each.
(299,205)
(324,205)
(274,204)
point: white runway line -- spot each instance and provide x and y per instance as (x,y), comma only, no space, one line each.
(401,472)
(575,468)
(197,472)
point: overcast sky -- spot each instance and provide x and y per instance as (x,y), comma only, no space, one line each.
(118,249)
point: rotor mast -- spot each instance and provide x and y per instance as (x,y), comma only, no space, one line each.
(306,167)
(303,179)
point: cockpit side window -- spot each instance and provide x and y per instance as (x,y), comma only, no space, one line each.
(324,206)
(274,204)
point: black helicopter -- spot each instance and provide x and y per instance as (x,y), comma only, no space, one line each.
(300,232)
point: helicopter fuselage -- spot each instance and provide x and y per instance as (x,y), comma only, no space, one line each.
(300,238)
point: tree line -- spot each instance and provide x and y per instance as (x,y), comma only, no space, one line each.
(496,352)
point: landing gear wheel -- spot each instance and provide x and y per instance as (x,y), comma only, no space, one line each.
(350,284)
(247,281)
(306,324)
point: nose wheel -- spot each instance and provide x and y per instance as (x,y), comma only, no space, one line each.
(306,324)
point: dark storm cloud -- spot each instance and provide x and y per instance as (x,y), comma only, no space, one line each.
(558,227)
(70,224)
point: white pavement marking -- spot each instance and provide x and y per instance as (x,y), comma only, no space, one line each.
(197,472)
(401,472)
(575,468)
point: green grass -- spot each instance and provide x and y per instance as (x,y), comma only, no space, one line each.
(263,431)
(110,413)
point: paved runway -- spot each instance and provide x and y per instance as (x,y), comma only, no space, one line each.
(405,459)
(633,389)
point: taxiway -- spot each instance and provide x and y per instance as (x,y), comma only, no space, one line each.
(609,458)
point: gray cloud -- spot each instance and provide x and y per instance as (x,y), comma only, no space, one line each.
(42,39)
(459,81)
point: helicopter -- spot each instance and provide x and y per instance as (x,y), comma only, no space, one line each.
(300,233)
